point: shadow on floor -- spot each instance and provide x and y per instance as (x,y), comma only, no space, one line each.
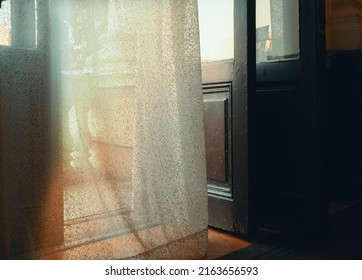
(345,242)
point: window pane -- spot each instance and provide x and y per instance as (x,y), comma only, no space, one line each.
(277,30)
(216,20)
(18,24)
(5,23)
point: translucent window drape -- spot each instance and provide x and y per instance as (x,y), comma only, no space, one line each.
(102,131)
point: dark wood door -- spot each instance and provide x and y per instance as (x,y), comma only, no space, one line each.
(286,113)
(26,115)
(228,77)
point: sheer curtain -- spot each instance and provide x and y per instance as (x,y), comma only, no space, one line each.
(103,130)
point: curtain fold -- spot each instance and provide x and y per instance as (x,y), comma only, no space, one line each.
(103,132)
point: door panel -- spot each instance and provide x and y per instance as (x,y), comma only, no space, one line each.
(218,139)
(277,154)
(217,107)
(277,141)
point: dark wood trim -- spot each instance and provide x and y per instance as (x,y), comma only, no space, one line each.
(221,219)
(312,73)
(243,87)
(4,249)
(271,71)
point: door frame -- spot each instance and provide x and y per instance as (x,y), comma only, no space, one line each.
(245,59)
(230,210)
(4,250)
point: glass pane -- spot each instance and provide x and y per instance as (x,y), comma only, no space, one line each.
(5,23)
(18,24)
(216,20)
(277,30)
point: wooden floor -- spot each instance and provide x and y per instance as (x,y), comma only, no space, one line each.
(344,241)
(221,243)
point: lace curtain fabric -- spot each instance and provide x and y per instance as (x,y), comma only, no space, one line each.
(103,131)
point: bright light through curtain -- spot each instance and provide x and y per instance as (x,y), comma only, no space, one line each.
(103,130)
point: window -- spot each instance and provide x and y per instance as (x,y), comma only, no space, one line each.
(277,30)
(5,24)
(216,23)
(18,26)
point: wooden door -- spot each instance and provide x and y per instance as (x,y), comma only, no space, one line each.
(286,118)
(26,116)
(228,77)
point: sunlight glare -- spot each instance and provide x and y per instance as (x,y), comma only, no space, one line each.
(216,20)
